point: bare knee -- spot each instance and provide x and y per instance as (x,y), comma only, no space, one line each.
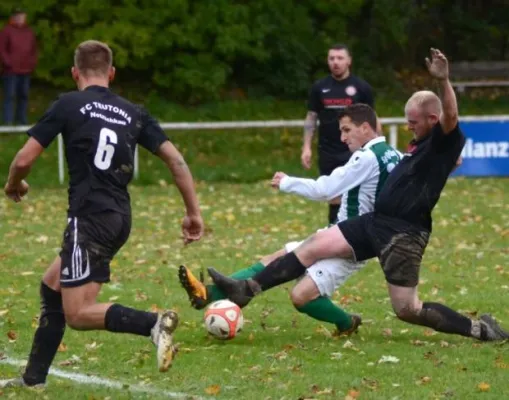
(303,293)
(298,298)
(407,311)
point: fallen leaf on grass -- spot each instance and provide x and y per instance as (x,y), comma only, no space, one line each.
(352,394)
(3,312)
(387,332)
(12,335)
(499,363)
(71,361)
(213,390)
(62,347)
(388,359)
(423,380)
(370,383)
(336,356)
(483,387)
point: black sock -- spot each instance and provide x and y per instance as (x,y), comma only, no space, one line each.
(333,213)
(443,319)
(122,319)
(281,270)
(47,337)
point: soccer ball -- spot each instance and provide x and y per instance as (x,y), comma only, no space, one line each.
(223,319)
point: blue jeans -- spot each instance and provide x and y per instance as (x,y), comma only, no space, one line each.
(16,89)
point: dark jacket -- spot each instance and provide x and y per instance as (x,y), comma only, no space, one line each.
(18,49)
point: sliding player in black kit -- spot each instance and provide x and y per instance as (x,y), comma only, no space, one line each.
(327,97)
(100,131)
(398,230)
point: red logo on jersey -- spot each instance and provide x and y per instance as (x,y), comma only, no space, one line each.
(337,102)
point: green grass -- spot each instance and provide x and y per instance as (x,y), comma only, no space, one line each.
(281,353)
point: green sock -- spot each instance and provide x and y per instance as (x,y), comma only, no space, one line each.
(217,294)
(323,309)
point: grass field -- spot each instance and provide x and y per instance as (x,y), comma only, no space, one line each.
(281,354)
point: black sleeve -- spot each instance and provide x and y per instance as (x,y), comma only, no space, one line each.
(50,125)
(367,95)
(442,142)
(152,135)
(314,101)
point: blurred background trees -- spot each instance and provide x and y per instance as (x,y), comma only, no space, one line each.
(201,50)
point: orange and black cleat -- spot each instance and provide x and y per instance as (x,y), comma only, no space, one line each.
(195,288)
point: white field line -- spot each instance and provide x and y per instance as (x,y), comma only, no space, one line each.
(112,384)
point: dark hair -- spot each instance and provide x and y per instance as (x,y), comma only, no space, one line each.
(93,58)
(340,46)
(360,113)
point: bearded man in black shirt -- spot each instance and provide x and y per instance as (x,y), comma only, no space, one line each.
(327,97)
(397,232)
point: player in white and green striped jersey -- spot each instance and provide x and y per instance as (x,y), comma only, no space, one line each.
(358,182)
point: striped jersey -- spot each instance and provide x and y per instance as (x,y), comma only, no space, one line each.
(358,182)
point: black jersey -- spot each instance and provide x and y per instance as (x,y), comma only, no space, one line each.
(413,188)
(100,131)
(327,98)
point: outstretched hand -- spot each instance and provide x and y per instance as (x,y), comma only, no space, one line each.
(276,179)
(438,66)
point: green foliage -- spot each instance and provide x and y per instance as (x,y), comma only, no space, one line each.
(196,51)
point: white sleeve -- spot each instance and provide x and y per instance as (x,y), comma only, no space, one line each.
(359,168)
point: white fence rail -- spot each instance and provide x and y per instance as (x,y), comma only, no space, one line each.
(296,123)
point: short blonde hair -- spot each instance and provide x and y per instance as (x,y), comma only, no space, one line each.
(92,57)
(425,100)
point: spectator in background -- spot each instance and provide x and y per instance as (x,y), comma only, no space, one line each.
(18,57)
(328,96)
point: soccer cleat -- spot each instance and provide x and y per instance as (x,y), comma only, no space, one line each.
(356,322)
(491,330)
(18,383)
(241,292)
(196,290)
(161,336)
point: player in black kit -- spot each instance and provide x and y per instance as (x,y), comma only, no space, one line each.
(327,97)
(100,131)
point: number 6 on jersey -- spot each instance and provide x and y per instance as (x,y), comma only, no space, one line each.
(105,148)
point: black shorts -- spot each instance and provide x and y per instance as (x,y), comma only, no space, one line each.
(328,162)
(89,244)
(398,245)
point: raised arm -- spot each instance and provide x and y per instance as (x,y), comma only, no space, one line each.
(438,68)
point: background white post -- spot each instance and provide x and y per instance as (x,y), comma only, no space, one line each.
(393,135)
(136,163)
(60,159)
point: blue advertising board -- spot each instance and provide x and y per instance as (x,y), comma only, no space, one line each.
(486,151)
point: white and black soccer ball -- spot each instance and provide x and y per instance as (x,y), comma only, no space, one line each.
(223,319)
